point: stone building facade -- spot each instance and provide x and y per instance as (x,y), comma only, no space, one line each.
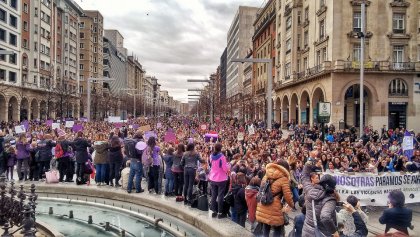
(318,54)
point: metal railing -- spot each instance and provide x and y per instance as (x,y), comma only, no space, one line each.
(402,66)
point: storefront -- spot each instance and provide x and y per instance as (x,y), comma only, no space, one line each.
(397,115)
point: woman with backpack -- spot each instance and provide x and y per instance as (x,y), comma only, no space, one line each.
(274,186)
(152,162)
(321,198)
(101,159)
(189,162)
(219,178)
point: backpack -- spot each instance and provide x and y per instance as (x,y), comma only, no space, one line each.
(130,147)
(59,152)
(264,195)
(146,157)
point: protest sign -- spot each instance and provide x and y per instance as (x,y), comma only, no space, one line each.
(55,125)
(203,126)
(149,134)
(170,137)
(145,128)
(251,130)
(77,127)
(373,189)
(114,119)
(240,136)
(20,129)
(69,124)
(118,125)
(49,122)
(25,124)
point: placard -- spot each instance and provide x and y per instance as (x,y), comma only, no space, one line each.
(170,137)
(240,136)
(372,189)
(49,122)
(203,126)
(20,129)
(145,128)
(77,127)
(69,124)
(55,125)
(114,119)
(251,130)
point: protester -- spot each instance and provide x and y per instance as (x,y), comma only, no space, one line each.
(352,225)
(115,161)
(136,166)
(396,216)
(101,158)
(152,151)
(169,160)
(178,170)
(189,162)
(218,177)
(22,154)
(80,146)
(44,151)
(251,199)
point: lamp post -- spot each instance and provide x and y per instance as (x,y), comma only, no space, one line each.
(88,91)
(134,95)
(211,95)
(269,82)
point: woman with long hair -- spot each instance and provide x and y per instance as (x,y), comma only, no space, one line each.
(101,159)
(23,149)
(81,145)
(178,170)
(153,150)
(115,161)
(189,161)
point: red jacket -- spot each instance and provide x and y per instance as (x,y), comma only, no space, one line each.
(251,201)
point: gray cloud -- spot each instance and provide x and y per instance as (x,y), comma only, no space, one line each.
(173,39)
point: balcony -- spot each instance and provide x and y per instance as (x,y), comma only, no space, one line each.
(30,85)
(369,66)
(321,10)
(381,66)
(402,66)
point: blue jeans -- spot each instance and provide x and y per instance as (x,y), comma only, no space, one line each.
(136,169)
(295,192)
(169,185)
(100,173)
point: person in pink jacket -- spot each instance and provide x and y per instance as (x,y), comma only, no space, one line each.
(218,177)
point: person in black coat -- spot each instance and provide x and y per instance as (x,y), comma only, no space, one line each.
(397,216)
(115,161)
(80,146)
(239,202)
(44,150)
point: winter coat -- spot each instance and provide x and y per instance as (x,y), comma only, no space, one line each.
(169,160)
(272,214)
(80,146)
(189,159)
(11,160)
(115,155)
(44,149)
(397,218)
(176,166)
(324,207)
(347,219)
(101,152)
(239,202)
(251,201)
(22,150)
(219,168)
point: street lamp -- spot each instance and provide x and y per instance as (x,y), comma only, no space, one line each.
(269,82)
(90,79)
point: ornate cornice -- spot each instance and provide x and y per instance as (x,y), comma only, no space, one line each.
(399,3)
(359,2)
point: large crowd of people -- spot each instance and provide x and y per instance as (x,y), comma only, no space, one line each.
(251,173)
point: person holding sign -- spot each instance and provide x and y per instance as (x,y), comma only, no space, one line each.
(23,153)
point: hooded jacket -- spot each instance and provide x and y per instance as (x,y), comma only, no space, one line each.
(219,168)
(324,207)
(80,148)
(251,201)
(101,152)
(45,149)
(272,214)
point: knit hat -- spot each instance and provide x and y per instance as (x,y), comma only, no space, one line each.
(60,132)
(328,182)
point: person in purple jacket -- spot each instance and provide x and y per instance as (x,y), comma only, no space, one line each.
(218,177)
(22,154)
(11,162)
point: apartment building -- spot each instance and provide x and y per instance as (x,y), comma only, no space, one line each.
(238,43)
(319,50)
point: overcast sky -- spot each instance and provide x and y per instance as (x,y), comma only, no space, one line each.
(174,40)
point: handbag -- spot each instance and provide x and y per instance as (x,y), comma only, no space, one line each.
(51,177)
(228,198)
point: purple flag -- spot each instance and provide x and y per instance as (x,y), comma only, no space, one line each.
(170,137)
(149,134)
(77,127)
(49,122)
(26,124)
(135,126)
(118,125)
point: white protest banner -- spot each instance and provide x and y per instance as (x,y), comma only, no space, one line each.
(251,130)
(373,189)
(69,124)
(240,136)
(114,119)
(55,125)
(20,129)
(407,143)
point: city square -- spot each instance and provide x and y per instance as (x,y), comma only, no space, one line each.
(209,118)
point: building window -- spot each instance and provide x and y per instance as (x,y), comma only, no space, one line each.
(2,34)
(307,14)
(318,57)
(12,76)
(357,21)
(36,12)
(287,70)
(305,63)
(12,39)
(81,87)
(82,46)
(81,67)
(288,45)
(321,29)
(95,39)
(25,25)
(305,39)
(35,46)
(398,87)
(324,55)
(25,43)
(398,54)
(95,20)
(82,25)
(2,74)
(13,20)
(24,61)
(95,49)
(35,63)
(82,35)
(35,80)
(357,50)
(288,23)
(298,65)
(13,3)
(398,23)
(82,56)
(25,8)
(3,15)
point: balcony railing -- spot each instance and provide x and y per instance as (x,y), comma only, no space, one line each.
(403,66)
(380,66)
